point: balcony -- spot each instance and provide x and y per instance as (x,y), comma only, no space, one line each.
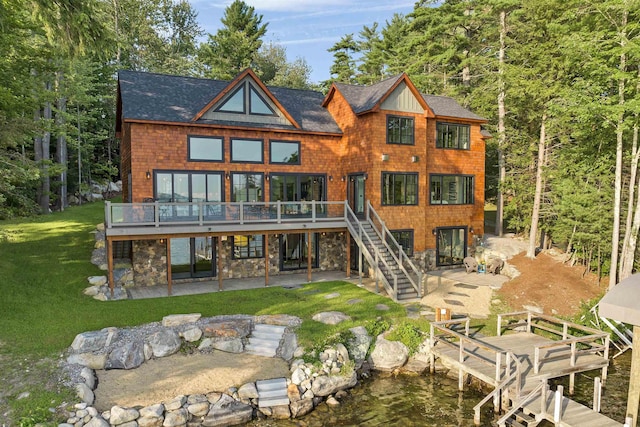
(162,218)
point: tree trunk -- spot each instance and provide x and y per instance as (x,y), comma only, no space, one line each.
(631,234)
(37,149)
(61,148)
(502,137)
(45,181)
(535,214)
(615,235)
(627,257)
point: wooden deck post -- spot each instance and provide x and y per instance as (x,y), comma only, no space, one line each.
(634,380)
(308,256)
(266,260)
(110,264)
(348,254)
(169,281)
(219,263)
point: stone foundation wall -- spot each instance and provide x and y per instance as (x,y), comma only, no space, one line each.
(149,261)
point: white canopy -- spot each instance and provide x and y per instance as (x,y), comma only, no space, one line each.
(622,303)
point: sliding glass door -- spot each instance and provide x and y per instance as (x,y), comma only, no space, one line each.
(193,257)
(294,254)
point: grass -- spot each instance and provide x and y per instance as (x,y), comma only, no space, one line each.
(44,269)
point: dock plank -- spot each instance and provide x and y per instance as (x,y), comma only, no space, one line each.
(572,413)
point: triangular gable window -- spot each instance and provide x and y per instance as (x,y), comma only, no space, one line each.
(258,105)
(235,103)
(246,100)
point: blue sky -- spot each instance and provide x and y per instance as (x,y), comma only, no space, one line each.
(307,28)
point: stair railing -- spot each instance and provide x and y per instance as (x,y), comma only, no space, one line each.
(540,389)
(386,237)
(511,376)
(360,235)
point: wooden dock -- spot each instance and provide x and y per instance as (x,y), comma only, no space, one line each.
(519,364)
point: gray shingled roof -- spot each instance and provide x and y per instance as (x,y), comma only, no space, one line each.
(449,107)
(166,98)
(365,98)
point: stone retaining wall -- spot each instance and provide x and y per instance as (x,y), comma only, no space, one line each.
(308,384)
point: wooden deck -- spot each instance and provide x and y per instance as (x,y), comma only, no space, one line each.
(518,365)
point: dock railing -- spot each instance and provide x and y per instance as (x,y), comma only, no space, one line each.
(577,339)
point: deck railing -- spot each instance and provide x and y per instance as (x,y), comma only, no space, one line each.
(158,214)
(576,339)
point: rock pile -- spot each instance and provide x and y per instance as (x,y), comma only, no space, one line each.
(309,384)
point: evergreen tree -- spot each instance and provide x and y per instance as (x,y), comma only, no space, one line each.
(234,46)
(343,68)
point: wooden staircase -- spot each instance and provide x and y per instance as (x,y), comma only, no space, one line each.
(389,267)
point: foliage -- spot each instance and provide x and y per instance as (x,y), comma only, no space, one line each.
(234,46)
(376,327)
(272,68)
(409,333)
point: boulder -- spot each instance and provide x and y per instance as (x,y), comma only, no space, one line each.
(175,403)
(85,394)
(359,345)
(92,341)
(232,414)
(342,353)
(330,317)
(227,329)
(120,415)
(90,360)
(388,355)
(128,356)
(229,346)
(301,407)
(164,343)
(97,422)
(280,412)
(89,377)
(248,391)
(150,421)
(329,384)
(199,409)
(180,319)
(176,418)
(152,411)
(192,334)
(288,346)
(298,376)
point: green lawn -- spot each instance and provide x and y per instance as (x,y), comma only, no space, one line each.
(44,267)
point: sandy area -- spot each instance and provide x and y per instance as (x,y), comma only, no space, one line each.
(160,380)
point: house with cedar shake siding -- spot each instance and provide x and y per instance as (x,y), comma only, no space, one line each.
(231,179)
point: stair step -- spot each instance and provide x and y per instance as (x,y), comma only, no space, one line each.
(263,327)
(271,384)
(264,343)
(521,416)
(263,403)
(273,394)
(514,423)
(266,335)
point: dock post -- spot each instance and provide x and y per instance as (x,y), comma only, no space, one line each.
(597,394)
(572,383)
(557,407)
(460,370)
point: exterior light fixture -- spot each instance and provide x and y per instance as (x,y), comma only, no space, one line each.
(148,174)
(471,230)
(415,159)
(331,178)
(385,157)
(266,177)
(343,179)
(226,175)
(366,176)
(434,231)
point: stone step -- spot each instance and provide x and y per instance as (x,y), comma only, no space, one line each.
(272,392)
(271,384)
(259,342)
(273,329)
(263,403)
(266,335)
(260,351)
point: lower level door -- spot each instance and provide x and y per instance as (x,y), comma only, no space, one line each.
(294,251)
(451,245)
(193,257)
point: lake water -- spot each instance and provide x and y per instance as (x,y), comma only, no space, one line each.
(434,400)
